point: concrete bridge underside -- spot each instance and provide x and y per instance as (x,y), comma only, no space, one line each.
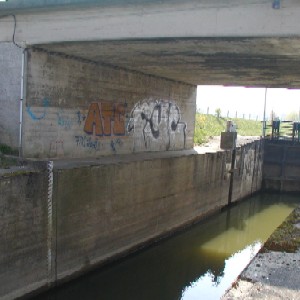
(197,42)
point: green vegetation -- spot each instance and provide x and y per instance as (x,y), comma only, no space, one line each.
(4,149)
(5,156)
(287,236)
(208,125)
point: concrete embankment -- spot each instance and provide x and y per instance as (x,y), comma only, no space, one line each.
(274,272)
(62,219)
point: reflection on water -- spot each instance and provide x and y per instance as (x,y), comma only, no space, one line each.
(211,286)
(200,263)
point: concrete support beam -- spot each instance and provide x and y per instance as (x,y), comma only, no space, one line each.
(166,19)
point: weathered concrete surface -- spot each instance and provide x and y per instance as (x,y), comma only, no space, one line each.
(103,208)
(127,203)
(247,291)
(155,19)
(23,232)
(273,274)
(248,163)
(198,42)
(10,89)
(79,109)
(281,171)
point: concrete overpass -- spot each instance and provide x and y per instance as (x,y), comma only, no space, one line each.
(249,42)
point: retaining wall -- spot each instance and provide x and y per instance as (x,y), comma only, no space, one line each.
(96,210)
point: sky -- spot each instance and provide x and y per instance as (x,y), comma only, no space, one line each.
(248,102)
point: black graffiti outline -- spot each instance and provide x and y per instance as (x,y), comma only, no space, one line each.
(171,127)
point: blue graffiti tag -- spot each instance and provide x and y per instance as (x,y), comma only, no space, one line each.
(114,143)
(87,142)
(42,116)
(64,121)
(80,117)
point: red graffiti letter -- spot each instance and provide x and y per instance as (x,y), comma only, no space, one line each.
(93,120)
(107,115)
(119,125)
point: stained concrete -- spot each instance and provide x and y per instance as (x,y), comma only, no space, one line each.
(276,269)
(83,213)
(23,232)
(76,108)
(197,42)
(10,91)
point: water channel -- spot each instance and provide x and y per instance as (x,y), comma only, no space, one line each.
(199,263)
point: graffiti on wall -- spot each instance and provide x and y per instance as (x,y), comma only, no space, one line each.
(64,120)
(153,124)
(41,115)
(156,125)
(105,119)
(87,142)
(114,143)
(80,117)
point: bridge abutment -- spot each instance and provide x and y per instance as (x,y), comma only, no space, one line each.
(76,108)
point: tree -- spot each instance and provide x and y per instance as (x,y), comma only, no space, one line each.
(218,112)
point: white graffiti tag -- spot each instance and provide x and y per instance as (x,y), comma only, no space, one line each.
(155,126)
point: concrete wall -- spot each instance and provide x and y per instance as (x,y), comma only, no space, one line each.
(119,206)
(56,225)
(281,170)
(80,109)
(248,170)
(23,233)
(10,89)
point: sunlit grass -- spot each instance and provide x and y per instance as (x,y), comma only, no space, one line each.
(209,125)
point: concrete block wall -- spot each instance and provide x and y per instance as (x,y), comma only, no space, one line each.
(23,233)
(10,90)
(76,108)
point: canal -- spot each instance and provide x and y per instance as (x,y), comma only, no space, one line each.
(199,263)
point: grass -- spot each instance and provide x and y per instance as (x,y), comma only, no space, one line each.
(209,125)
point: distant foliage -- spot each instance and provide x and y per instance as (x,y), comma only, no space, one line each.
(208,125)
(218,112)
(293,116)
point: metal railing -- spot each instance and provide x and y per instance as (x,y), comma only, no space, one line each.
(283,130)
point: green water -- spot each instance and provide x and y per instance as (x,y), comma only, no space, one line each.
(200,263)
